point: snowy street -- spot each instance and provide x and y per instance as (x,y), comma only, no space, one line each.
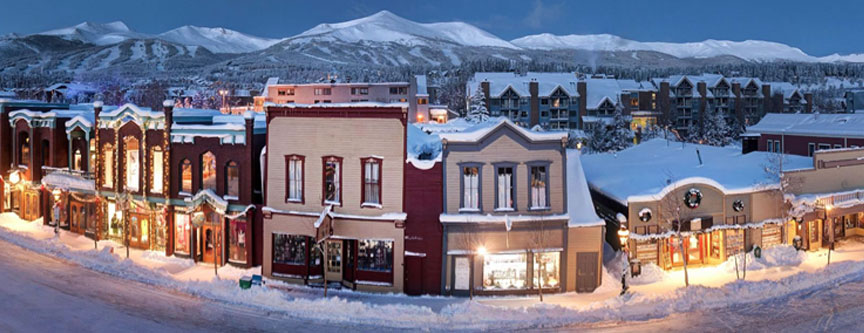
(65,285)
(44,294)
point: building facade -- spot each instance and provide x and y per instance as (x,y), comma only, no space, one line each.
(335,204)
(805,134)
(509,227)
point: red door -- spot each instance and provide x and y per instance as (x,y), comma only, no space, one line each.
(413,275)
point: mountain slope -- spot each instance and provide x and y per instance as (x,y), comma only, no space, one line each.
(385,26)
(750,50)
(96,33)
(217,40)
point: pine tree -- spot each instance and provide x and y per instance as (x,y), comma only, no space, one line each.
(613,136)
(477,111)
(715,131)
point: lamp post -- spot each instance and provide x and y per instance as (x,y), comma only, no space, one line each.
(831,235)
(481,250)
(224,94)
(624,236)
(57,213)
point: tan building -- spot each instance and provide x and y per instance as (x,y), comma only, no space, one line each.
(510,225)
(721,201)
(334,183)
(827,198)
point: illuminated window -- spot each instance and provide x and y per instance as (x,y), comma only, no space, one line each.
(157,172)
(208,171)
(108,163)
(133,164)
(24,156)
(539,190)
(332,180)
(186,176)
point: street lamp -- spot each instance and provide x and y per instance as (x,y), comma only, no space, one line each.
(828,208)
(623,237)
(481,250)
(57,213)
(224,94)
(15,177)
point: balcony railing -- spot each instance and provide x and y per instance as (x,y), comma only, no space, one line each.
(66,171)
(842,198)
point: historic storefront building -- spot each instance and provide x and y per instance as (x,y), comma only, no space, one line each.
(718,201)
(215,184)
(827,199)
(334,195)
(509,223)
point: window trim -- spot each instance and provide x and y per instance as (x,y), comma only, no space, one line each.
(108,147)
(513,183)
(340,160)
(462,167)
(363,162)
(302,160)
(548,166)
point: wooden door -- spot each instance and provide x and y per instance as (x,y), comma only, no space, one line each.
(211,248)
(139,231)
(413,275)
(349,251)
(333,266)
(586,271)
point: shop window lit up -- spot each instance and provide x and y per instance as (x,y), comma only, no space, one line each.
(505,271)
(237,241)
(183,233)
(546,269)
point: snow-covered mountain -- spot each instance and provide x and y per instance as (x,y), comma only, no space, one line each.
(750,50)
(385,26)
(96,33)
(217,40)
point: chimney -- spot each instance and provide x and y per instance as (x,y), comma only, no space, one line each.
(739,108)
(97,109)
(702,88)
(582,89)
(809,98)
(663,103)
(168,108)
(534,115)
(767,105)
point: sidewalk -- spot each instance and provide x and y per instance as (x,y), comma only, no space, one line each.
(780,272)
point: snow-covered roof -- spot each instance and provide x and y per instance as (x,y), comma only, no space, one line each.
(579,204)
(786,89)
(272,81)
(70,86)
(421,143)
(663,166)
(815,124)
(480,131)
(67,181)
(547,83)
(604,89)
(342,105)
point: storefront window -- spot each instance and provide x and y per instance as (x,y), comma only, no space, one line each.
(546,266)
(208,171)
(133,165)
(289,249)
(182,234)
(505,271)
(375,255)
(115,220)
(237,241)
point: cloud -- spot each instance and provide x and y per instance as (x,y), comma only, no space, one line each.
(542,14)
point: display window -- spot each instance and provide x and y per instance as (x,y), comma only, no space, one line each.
(546,269)
(115,220)
(289,249)
(133,165)
(375,255)
(182,233)
(208,171)
(237,241)
(505,271)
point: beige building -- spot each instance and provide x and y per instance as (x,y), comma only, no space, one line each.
(334,195)
(719,201)
(828,197)
(510,225)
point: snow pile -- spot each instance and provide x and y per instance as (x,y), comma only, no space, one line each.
(424,149)
(777,256)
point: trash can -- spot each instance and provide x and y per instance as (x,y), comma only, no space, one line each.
(245,282)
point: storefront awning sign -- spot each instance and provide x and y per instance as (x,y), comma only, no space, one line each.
(324,225)
(198,219)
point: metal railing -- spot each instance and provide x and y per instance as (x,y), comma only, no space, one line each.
(66,171)
(840,199)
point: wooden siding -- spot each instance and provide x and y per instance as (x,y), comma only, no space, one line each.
(586,239)
(505,149)
(348,138)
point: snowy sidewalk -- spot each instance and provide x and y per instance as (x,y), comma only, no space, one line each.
(656,294)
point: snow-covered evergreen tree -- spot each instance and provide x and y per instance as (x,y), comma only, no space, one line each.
(613,136)
(716,131)
(477,111)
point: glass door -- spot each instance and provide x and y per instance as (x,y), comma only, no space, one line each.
(333,271)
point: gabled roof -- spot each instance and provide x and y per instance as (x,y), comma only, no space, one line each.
(547,83)
(481,131)
(850,125)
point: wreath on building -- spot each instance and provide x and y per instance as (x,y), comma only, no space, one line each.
(738,205)
(693,198)
(645,215)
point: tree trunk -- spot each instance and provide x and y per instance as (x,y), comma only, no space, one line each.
(745,267)
(737,275)
(684,259)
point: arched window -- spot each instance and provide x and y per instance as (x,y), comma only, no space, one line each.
(133,164)
(208,171)
(77,160)
(24,149)
(186,176)
(232,179)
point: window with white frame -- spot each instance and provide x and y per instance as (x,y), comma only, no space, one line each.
(471,188)
(295,178)
(539,188)
(158,162)
(505,193)
(133,164)
(333,180)
(371,181)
